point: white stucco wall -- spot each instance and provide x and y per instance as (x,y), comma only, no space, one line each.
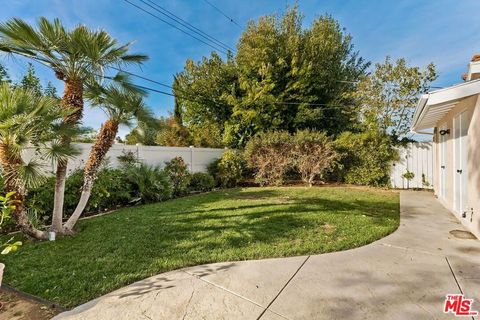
(471,106)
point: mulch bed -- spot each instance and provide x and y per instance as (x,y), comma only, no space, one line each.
(16,305)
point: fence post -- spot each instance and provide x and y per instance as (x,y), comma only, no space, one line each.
(138,146)
(191,159)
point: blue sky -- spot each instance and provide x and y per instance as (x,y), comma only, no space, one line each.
(440,31)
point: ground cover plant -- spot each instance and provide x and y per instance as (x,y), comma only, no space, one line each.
(133,243)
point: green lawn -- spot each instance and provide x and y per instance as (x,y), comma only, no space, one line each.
(236,224)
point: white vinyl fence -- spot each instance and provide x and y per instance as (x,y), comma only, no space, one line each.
(416,157)
(197,159)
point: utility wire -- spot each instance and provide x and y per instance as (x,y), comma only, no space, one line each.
(327,107)
(174,26)
(206,98)
(143,78)
(186,24)
(385,84)
(223,13)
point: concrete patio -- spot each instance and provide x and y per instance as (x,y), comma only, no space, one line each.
(403,276)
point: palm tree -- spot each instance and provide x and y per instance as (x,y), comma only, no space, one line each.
(121,106)
(28,126)
(77,57)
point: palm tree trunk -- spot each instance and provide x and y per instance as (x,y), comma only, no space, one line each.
(60,177)
(10,166)
(20,216)
(72,100)
(103,143)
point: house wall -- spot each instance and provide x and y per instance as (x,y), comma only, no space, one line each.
(473,217)
(471,105)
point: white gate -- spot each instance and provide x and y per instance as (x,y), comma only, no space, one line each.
(416,157)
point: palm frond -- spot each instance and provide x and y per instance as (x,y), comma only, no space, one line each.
(58,152)
(80,53)
(31,174)
(134,58)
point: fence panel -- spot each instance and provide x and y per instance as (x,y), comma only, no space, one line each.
(416,157)
(197,159)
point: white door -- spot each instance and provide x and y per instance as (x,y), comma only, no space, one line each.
(460,156)
(443,163)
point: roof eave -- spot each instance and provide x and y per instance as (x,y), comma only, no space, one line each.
(419,111)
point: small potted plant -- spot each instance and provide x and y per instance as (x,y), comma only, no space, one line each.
(409,175)
(7,205)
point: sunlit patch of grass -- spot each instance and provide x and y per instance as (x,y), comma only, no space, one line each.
(114,250)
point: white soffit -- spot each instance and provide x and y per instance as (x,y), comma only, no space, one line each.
(473,67)
(432,107)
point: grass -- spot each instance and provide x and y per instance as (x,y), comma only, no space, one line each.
(114,250)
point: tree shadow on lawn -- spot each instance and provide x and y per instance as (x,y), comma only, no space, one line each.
(314,206)
(115,250)
(235,229)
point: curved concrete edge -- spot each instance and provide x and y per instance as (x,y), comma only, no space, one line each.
(405,275)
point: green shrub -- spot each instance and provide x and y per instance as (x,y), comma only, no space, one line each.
(365,158)
(212,169)
(202,182)
(313,154)
(229,169)
(147,183)
(112,188)
(109,191)
(179,175)
(270,155)
(40,200)
(408,175)
(7,206)
(128,158)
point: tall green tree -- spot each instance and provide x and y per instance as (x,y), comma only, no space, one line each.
(50,90)
(173,135)
(31,82)
(203,93)
(283,77)
(145,134)
(293,78)
(387,97)
(77,57)
(4,77)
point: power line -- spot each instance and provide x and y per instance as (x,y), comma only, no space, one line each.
(186,24)
(329,106)
(385,84)
(333,106)
(174,26)
(223,13)
(155,90)
(143,78)
(313,104)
